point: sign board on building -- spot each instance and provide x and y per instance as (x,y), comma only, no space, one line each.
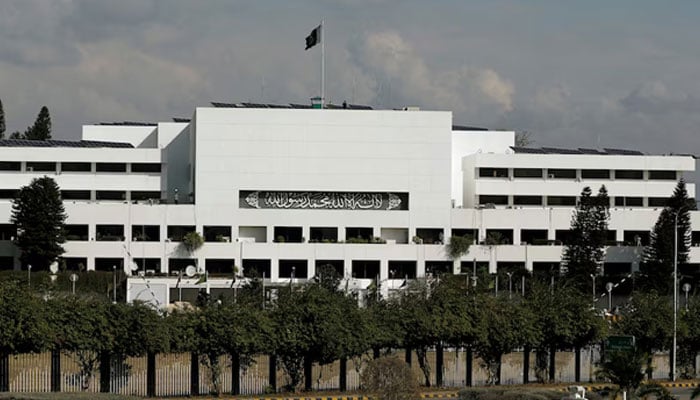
(619,343)
(308,200)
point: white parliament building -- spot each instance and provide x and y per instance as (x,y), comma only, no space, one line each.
(279,190)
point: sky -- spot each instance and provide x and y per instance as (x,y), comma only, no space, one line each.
(585,73)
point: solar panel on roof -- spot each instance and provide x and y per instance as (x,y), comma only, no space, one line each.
(468,128)
(176,119)
(62,143)
(555,150)
(624,152)
(223,105)
(527,150)
(300,106)
(590,151)
(359,107)
(278,106)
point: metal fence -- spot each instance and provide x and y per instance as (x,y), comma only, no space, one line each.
(184,374)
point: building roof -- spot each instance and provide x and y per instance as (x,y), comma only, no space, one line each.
(468,128)
(580,150)
(63,143)
(330,106)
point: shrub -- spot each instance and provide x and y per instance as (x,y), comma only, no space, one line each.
(389,378)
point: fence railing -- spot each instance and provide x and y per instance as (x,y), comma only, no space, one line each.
(184,374)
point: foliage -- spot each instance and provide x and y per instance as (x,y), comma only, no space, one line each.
(689,339)
(192,241)
(389,378)
(623,368)
(523,138)
(459,246)
(570,321)
(23,325)
(521,393)
(314,324)
(649,318)
(584,249)
(41,130)
(657,269)
(507,325)
(328,277)
(39,216)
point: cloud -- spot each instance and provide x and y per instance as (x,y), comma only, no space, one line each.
(403,77)
(655,98)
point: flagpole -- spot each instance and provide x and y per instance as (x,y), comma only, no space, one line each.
(323,66)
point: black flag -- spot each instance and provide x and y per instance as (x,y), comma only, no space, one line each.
(314,38)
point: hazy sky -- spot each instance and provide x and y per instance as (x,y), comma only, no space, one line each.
(574,73)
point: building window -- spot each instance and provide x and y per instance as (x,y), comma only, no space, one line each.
(147,168)
(527,172)
(145,195)
(662,175)
(337,265)
(257,233)
(217,233)
(629,174)
(536,237)
(10,166)
(595,174)
(555,173)
(493,172)
(75,194)
(256,268)
(561,200)
(78,264)
(430,235)
(471,233)
(402,269)
(493,199)
(527,200)
(498,236)
(217,266)
(297,269)
(109,264)
(177,232)
(394,235)
(110,167)
(76,167)
(288,234)
(145,233)
(323,234)
(8,231)
(657,201)
(636,238)
(438,267)
(110,195)
(358,235)
(562,236)
(34,166)
(8,193)
(365,269)
(147,264)
(629,201)
(76,232)
(109,233)
(177,265)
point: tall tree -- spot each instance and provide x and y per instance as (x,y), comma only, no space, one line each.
(41,130)
(39,215)
(584,249)
(657,268)
(2,121)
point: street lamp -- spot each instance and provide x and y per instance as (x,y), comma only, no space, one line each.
(114,278)
(29,275)
(675,292)
(510,285)
(609,288)
(686,289)
(593,277)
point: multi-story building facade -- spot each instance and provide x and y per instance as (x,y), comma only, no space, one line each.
(280,191)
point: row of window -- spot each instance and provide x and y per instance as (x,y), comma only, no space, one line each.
(175,233)
(97,195)
(50,166)
(563,173)
(569,201)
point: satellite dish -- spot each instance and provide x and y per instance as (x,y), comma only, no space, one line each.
(53,267)
(134,266)
(190,271)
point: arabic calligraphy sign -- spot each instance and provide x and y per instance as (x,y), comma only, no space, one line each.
(323,200)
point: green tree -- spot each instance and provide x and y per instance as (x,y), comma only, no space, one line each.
(649,318)
(584,249)
(23,325)
(315,325)
(39,215)
(689,339)
(41,130)
(657,268)
(623,368)
(2,121)
(458,246)
(507,325)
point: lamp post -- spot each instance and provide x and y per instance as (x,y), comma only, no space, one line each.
(609,288)
(114,284)
(593,278)
(686,289)
(510,285)
(29,275)
(675,293)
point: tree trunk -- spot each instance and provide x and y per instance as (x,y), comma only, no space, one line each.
(421,353)
(343,378)
(526,365)
(272,372)
(151,375)
(4,373)
(408,355)
(577,364)
(439,364)
(235,374)
(308,374)
(194,374)
(470,366)
(105,372)
(55,371)
(552,363)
